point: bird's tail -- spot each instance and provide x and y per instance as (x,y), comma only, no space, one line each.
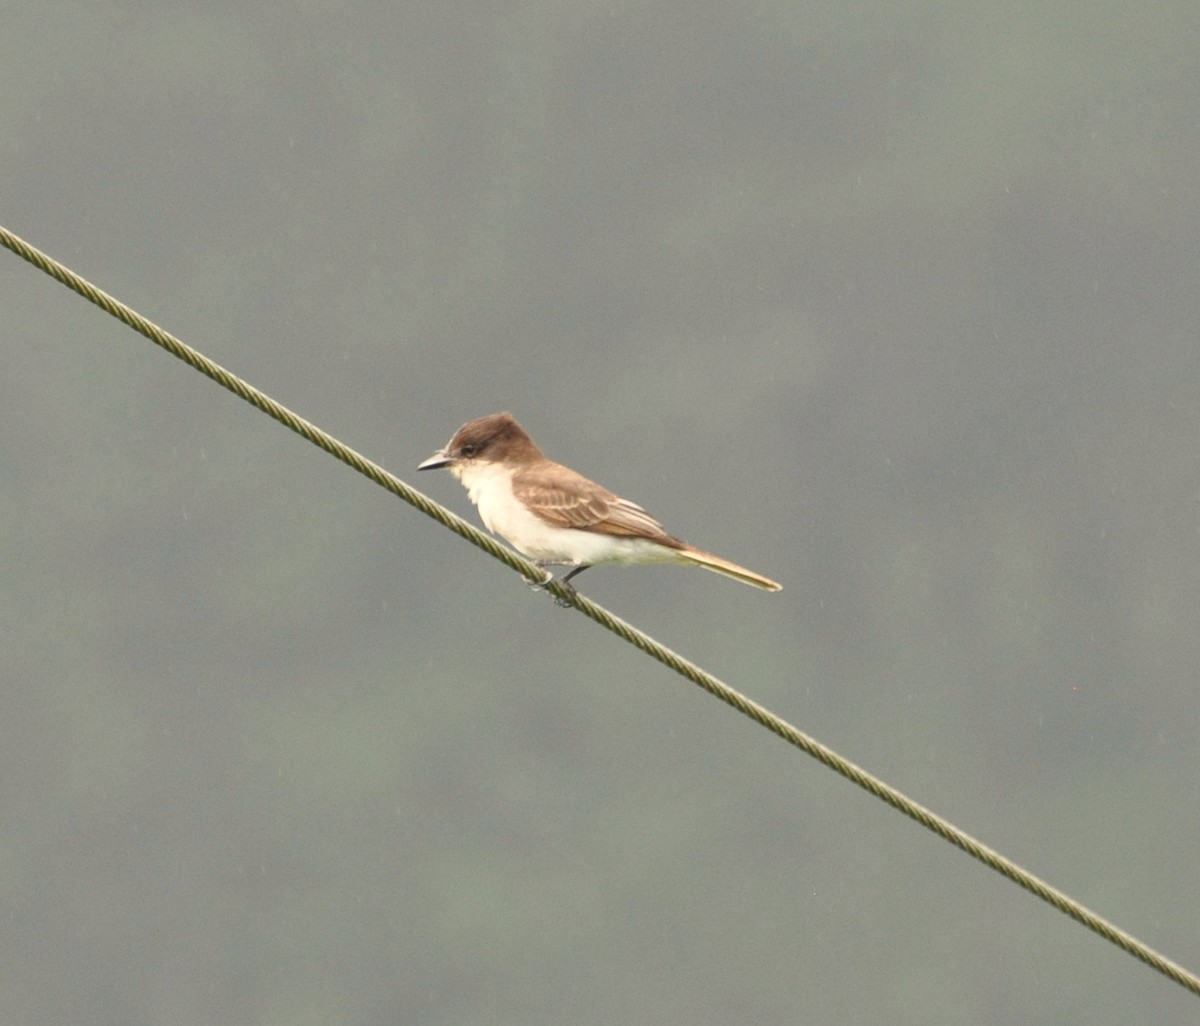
(722,566)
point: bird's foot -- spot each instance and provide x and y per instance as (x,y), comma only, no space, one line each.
(543,585)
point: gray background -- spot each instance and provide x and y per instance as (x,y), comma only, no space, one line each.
(896,303)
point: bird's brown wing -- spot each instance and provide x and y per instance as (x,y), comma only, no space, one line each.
(564,498)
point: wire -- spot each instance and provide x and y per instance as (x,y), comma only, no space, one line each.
(868,782)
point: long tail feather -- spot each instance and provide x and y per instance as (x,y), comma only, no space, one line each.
(723,566)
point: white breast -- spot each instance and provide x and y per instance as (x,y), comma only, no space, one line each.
(489,486)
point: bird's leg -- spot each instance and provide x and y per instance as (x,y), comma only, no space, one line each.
(577,570)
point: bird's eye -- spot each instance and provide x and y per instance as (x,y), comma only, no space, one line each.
(469,450)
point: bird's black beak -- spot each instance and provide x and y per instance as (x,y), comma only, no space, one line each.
(438,459)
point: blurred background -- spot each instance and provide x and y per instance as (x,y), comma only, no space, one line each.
(894,303)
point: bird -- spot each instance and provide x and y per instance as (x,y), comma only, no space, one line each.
(557,517)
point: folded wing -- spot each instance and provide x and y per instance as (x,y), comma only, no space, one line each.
(561,497)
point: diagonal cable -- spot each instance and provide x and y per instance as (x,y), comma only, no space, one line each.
(868,782)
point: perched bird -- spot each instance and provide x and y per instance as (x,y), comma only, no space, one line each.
(555,516)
